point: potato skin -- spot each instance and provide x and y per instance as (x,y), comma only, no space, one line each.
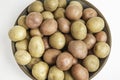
(79,72)
(48,27)
(59,13)
(62,3)
(40,70)
(78,49)
(35,32)
(78,30)
(55,74)
(90,40)
(101,36)
(68,76)
(91,63)
(50,55)
(47,15)
(36,46)
(46,42)
(64,61)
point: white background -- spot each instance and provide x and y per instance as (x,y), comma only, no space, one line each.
(9,11)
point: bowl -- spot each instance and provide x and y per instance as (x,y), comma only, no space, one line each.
(106,29)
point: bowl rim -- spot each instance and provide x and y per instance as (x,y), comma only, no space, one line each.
(26,71)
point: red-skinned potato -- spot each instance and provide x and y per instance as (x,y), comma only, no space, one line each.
(101,36)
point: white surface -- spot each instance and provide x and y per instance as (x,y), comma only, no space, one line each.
(9,11)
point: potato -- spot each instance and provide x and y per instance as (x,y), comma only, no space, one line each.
(64,25)
(78,49)
(95,24)
(55,74)
(17,33)
(22,57)
(64,61)
(36,46)
(45,41)
(47,15)
(59,13)
(90,40)
(57,40)
(73,12)
(89,13)
(78,30)
(79,72)
(91,63)
(62,3)
(68,76)
(50,55)
(101,49)
(101,36)
(48,27)
(33,62)
(50,5)
(40,70)
(68,38)
(74,61)
(81,20)
(76,3)
(36,6)
(34,19)
(21,21)
(35,32)
(22,45)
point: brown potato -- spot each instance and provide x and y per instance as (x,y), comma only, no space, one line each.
(90,40)
(57,40)
(101,36)
(76,3)
(75,60)
(68,38)
(47,15)
(34,19)
(73,12)
(79,72)
(45,40)
(59,13)
(48,27)
(101,49)
(78,49)
(64,61)
(89,13)
(35,32)
(63,25)
(62,3)
(95,24)
(50,55)
(91,63)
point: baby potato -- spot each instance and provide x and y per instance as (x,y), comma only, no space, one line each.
(59,13)
(68,38)
(36,6)
(55,74)
(74,61)
(81,20)
(48,27)
(91,63)
(68,76)
(101,49)
(64,25)
(101,36)
(35,32)
(78,30)
(89,13)
(34,19)
(76,3)
(90,40)
(36,46)
(78,49)
(47,15)
(57,40)
(73,12)
(50,55)
(45,41)
(17,33)
(33,62)
(95,24)
(40,70)
(62,3)
(79,72)
(21,21)
(50,5)
(22,57)
(64,61)
(22,45)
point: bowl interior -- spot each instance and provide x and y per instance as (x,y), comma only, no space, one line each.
(106,29)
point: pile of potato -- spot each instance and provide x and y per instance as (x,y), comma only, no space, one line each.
(56,41)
